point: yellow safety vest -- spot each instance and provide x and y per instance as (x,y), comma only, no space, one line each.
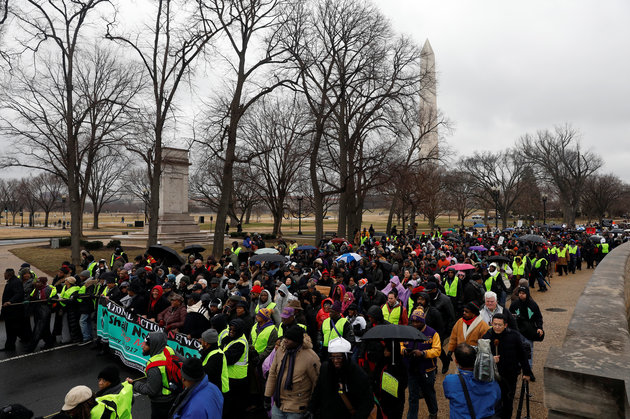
(451,290)
(518,269)
(292,248)
(239,369)
(225,380)
(281,329)
(53,291)
(118,404)
(91,268)
(166,390)
(562,252)
(604,248)
(67,293)
(489,282)
(260,340)
(223,334)
(329,332)
(410,304)
(392,316)
(573,250)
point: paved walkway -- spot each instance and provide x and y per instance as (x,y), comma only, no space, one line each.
(9,260)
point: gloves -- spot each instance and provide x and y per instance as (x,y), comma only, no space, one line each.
(267,403)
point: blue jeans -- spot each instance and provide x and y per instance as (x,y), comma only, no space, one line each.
(421,385)
(86,326)
(276,413)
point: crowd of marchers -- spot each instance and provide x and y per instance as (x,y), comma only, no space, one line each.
(282,337)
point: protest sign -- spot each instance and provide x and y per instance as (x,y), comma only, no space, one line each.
(125,332)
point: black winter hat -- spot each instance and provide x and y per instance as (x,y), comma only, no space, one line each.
(192,369)
(295,333)
(110,374)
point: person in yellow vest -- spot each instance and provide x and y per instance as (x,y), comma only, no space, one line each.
(393,310)
(80,402)
(454,288)
(41,314)
(553,258)
(263,334)
(156,385)
(335,326)
(563,256)
(70,310)
(116,396)
(236,349)
(572,250)
(213,360)
(518,267)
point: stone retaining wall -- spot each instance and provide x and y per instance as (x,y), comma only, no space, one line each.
(589,377)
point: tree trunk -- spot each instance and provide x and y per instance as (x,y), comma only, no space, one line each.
(154,206)
(277,223)
(248,214)
(95,219)
(390,217)
(46,215)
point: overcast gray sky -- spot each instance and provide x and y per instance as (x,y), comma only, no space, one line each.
(507,68)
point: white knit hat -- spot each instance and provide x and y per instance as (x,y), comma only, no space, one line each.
(339,345)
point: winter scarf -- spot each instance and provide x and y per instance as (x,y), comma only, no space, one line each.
(289,356)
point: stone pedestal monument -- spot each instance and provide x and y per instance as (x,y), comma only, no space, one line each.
(175,224)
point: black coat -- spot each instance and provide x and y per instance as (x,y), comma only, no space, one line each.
(13,293)
(528,317)
(443,304)
(512,356)
(326,402)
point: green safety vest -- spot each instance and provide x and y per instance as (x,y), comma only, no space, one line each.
(451,290)
(67,293)
(489,282)
(410,304)
(562,252)
(271,306)
(573,250)
(394,316)
(114,257)
(239,369)
(225,380)
(237,251)
(281,329)
(166,389)
(518,269)
(363,239)
(329,332)
(91,268)
(260,340)
(223,334)
(539,262)
(292,248)
(604,248)
(119,405)
(53,292)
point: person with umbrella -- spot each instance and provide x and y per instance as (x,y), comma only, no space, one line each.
(420,359)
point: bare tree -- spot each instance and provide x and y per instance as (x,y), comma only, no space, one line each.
(559,159)
(136,184)
(253,73)
(106,184)
(601,194)
(47,190)
(460,190)
(277,125)
(497,179)
(179,33)
(11,197)
(28,198)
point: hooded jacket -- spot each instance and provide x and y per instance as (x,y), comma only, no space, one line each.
(282,302)
(321,314)
(234,352)
(152,386)
(528,316)
(203,400)
(305,373)
(275,312)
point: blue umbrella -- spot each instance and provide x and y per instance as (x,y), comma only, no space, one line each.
(479,225)
(349,257)
(478,248)
(306,247)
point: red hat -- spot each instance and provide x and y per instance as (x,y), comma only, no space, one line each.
(325,272)
(257,289)
(417,289)
(148,269)
(377,243)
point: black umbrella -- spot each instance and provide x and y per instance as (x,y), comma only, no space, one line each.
(267,257)
(498,259)
(533,238)
(596,239)
(394,332)
(168,256)
(616,231)
(193,248)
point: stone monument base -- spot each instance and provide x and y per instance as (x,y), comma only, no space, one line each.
(172,228)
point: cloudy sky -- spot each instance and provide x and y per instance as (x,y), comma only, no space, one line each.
(509,68)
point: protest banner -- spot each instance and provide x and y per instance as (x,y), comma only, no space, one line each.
(125,332)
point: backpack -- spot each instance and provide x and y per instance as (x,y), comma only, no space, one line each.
(173,367)
(485,369)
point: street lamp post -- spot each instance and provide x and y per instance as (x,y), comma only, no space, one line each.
(22,218)
(6,216)
(495,195)
(300,215)
(544,199)
(63,210)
